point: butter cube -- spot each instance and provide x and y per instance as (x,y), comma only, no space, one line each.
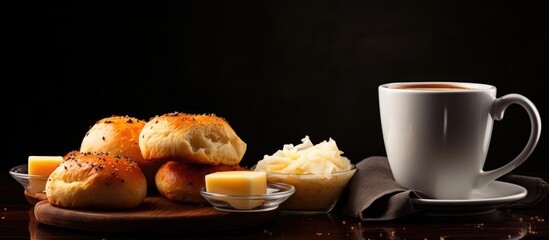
(238,183)
(44,166)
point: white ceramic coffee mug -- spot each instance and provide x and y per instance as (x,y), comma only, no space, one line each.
(437,134)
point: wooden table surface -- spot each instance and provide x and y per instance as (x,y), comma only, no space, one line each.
(17,221)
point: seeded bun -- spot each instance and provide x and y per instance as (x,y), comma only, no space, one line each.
(191,138)
(181,182)
(119,135)
(100,181)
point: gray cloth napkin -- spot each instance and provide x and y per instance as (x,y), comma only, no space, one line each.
(373,195)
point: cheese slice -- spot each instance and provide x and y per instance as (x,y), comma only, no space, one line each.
(238,183)
(43,166)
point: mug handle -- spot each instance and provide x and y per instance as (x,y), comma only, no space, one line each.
(498,109)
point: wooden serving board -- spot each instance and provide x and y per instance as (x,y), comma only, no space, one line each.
(156,214)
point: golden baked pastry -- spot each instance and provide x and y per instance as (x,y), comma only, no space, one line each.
(190,138)
(94,180)
(181,182)
(119,135)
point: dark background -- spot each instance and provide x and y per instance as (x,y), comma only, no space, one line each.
(276,70)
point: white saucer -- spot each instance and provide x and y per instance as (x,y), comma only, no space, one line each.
(485,200)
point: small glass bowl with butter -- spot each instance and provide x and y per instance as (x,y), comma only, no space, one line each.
(33,185)
(276,194)
(318,172)
(33,176)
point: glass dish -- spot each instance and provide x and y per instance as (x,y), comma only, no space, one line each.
(34,185)
(276,194)
(313,194)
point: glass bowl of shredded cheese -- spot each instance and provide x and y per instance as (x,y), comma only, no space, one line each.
(318,172)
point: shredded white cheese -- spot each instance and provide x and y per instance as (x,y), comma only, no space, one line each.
(321,159)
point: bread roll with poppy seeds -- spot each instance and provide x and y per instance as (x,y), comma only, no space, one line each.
(191,138)
(119,135)
(95,180)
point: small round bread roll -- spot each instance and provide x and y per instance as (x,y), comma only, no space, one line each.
(119,135)
(100,181)
(181,182)
(189,138)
